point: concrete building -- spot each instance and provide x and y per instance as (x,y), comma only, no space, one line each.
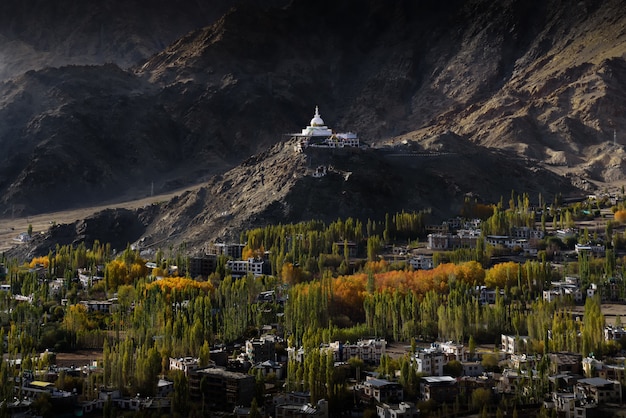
(261,349)
(320,410)
(599,390)
(381,390)
(472,368)
(229,250)
(422,262)
(512,344)
(243,267)
(103,306)
(225,389)
(401,410)
(614,333)
(565,362)
(186,364)
(439,388)
(430,361)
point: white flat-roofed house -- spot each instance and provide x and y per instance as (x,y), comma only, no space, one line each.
(454,351)
(512,344)
(614,333)
(401,410)
(243,267)
(422,262)
(185,364)
(430,362)
(368,350)
(103,306)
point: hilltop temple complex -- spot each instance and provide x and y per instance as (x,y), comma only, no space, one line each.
(319,135)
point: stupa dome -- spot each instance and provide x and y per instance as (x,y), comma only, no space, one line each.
(317,119)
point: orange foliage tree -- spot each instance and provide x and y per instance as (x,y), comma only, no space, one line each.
(620,215)
(423,281)
(348,295)
(291,274)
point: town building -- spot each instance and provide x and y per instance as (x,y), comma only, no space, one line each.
(224,388)
(381,390)
(104,306)
(262,348)
(472,368)
(422,262)
(234,251)
(439,388)
(514,344)
(599,390)
(401,410)
(185,364)
(320,410)
(369,350)
(243,267)
(202,266)
(430,361)
(269,367)
(461,239)
(565,362)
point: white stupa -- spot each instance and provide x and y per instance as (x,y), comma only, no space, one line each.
(317,127)
(319,135)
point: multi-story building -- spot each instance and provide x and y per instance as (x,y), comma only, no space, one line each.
(186,364)
(103,306)
(381,390)
(229,250)
(598,390)
(453,351)
(370,350)
(422,262)
(439,388)
(430,361)
(261,349)
(563,362)
(514,344)
(243,267)
(224,388)
(472,368)
(462,239)
(202,266)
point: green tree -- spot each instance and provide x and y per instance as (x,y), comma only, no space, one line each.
(180,396)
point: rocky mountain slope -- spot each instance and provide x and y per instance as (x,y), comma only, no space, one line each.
(35,34)
(535,85)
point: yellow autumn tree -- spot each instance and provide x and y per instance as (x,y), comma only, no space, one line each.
(41,261)
(502,275)
(167,284)
(471,273)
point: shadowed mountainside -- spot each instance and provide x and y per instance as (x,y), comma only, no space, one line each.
(534,85)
